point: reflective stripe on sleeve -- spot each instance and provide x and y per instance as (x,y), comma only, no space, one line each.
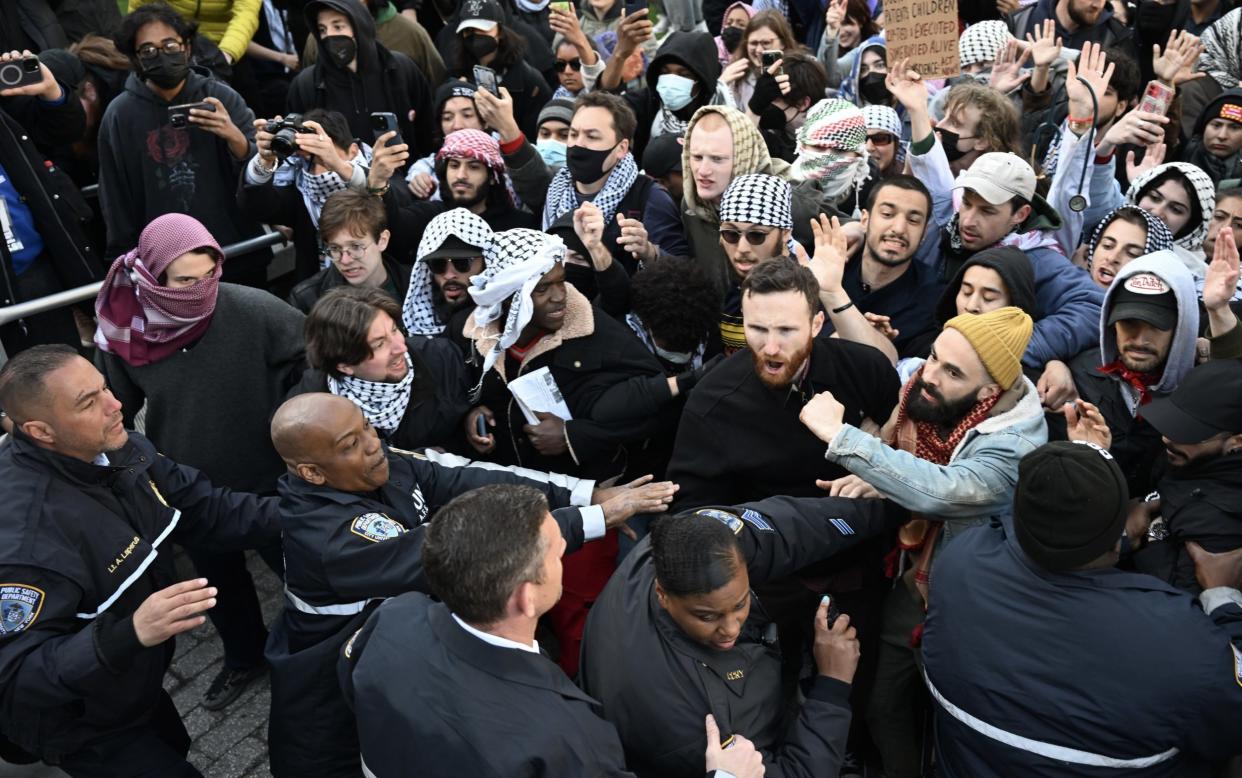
(343,609)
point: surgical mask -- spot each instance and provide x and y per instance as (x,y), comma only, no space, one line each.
(341,49)
(552,151)
(949,139)
(586,165)
(675,91)
(872,88)
(730,37)
(532,7)
(675,357)
(480,46)
(166,70)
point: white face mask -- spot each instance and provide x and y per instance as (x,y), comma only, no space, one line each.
(675,91)
(675,357)
(552,151)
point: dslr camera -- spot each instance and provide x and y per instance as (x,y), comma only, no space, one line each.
(283,132)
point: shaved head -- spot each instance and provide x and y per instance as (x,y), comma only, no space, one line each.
(325,440)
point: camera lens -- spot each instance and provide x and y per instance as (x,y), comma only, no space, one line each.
(283,144)
(10,73)
(177,120)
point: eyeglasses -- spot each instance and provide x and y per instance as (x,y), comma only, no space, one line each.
(355,250)
(881,139)
(574,63)
(439,265)
(151,51)
(753,237)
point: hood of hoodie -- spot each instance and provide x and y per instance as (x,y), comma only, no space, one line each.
(1166,266)
(1014,268)
(1212,110)
(1205,191)
(1158,236)
(749,9)
(694,50)
(359,18)
(849,86)
(750,155)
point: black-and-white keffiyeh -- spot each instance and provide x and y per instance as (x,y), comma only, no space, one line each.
(418,312)
(315,188)
(563,197)
(667,123)
(982,41)
(1222,50)
(1205,193)
(515,262)
(757,198)
(381,402)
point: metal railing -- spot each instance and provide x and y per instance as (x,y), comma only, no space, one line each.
(51,302)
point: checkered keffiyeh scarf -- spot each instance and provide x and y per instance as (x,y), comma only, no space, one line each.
(1205,192)
(383,403)
(476,145)
(832,148)
(515,262)
(563,197)
(750,155)
(1158,235)
(981,42)
(1222,50)
(418,312)
(757,198)
(142,321)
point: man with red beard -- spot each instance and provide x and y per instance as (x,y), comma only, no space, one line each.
(949,454)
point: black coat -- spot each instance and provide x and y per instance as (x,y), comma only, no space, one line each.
(307,292)
(656,684)
(341,559)
(459,706)
(83,547)
(439,396)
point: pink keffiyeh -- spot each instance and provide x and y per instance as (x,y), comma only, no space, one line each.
(142,321)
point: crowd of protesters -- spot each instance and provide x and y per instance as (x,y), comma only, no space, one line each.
(625,388)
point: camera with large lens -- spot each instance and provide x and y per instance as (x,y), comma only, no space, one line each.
(22,72)
(283,132)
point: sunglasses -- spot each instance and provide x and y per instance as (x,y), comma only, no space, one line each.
(574,63)
(439,266)
(753,237)
(881,139)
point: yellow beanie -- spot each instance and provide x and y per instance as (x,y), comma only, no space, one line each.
(999,338)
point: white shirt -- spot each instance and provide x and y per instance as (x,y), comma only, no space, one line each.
(496,640)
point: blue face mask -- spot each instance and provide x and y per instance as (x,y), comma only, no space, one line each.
(675,91)
(552,151)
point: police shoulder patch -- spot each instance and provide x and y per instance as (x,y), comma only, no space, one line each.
(730,520)
(376,527)
(19,607)
(757,520)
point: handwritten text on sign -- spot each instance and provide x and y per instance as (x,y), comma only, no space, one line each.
(926,32)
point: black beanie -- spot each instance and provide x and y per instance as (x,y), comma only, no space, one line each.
(1011,265)
(1070,504)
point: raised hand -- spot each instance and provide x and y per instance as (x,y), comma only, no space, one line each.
(386,160)
(634,239)
(833,17)
(589,224)
(735,71)
(642,495)
(907,86)
(1083,421)
(1093,67)
(497,113)
(1153,157)
(46,87)
(1045,45)
(1007,72)
(1175,65)
(828,264)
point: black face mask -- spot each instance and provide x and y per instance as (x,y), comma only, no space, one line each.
(341,49)
(480,46)
(731,37)
(949,139)
(772,118)
(872,88)
(586,165)
(166,70)
(1153,20)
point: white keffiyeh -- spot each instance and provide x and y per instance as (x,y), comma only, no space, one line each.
(383,403)
(515,262)
(418,312)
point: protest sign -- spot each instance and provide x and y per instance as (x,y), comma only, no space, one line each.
(926,32)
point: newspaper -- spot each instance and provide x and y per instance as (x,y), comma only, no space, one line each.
(537,391)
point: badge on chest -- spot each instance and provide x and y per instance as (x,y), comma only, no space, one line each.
(376,527)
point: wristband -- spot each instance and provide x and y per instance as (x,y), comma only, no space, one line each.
(845,307)
(1104,159)
(378,191)
(1074,120)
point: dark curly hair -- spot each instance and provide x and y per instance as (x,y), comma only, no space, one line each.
(127,33)
(677,303)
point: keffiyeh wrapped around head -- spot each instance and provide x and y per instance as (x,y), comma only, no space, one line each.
(476,145)
(757,198)
(418,311)
(832,147)
(1205,199)
(981,42)
(1222,50)
(142,321)
(1158,235)
(515,260)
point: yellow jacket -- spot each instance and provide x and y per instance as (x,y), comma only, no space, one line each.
(229,23)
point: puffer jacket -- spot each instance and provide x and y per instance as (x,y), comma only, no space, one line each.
(230,24)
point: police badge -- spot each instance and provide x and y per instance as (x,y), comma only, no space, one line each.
(376,527)
(19,607)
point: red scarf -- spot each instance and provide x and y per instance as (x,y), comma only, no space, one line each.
(929,445)
(1140,381)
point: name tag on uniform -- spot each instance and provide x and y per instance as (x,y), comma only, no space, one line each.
(376,527)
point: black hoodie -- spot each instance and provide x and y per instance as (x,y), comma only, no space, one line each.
(1197,154)
(384,81)
(696,51)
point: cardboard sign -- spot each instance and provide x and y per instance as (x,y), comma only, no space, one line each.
(926,31)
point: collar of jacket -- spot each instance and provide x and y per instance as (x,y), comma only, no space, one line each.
(1018,404)
(579,323)
(74,470)
(507,664)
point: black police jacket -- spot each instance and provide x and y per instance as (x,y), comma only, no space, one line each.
(434,700)
(344,553)
(83,546)
(656,684)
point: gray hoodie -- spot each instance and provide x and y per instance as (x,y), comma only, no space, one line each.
(1167,266)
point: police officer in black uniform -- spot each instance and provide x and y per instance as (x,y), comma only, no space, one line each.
(87,584)
(1045,660)
(353,513)
(460,688)
(678,633)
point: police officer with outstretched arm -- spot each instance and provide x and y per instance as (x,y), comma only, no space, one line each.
(89,600)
